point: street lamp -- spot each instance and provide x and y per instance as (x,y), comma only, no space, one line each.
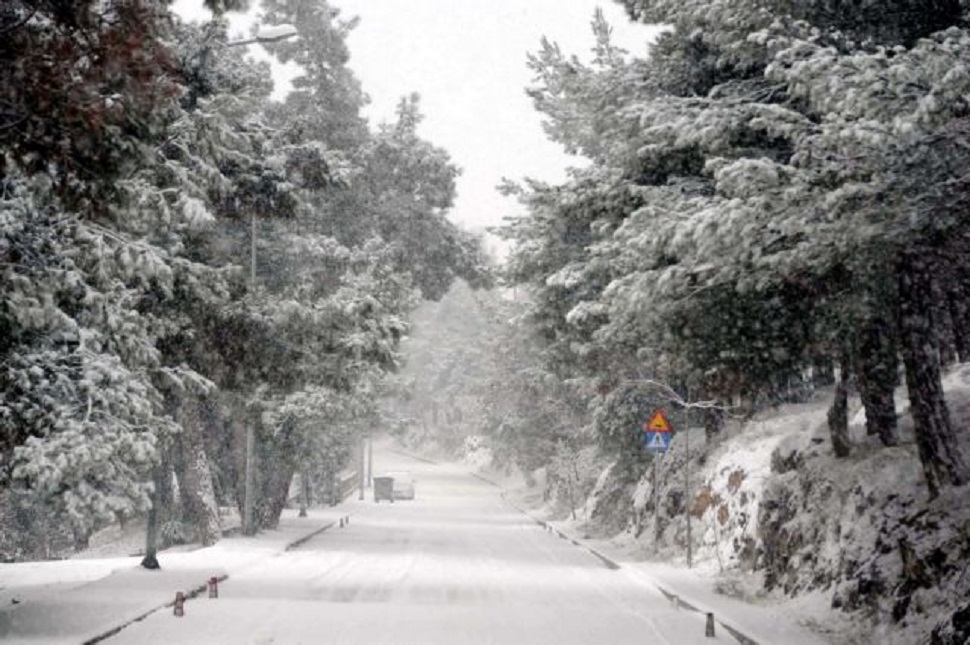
(265,34)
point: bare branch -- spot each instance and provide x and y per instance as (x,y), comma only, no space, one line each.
(671,395)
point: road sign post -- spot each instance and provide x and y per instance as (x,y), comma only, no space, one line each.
(656,436)
(687,494)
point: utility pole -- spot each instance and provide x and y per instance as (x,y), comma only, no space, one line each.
(370,460)
(687,489)
(248,528)
(656,503)
(280,33)
(362,476)
(252,249)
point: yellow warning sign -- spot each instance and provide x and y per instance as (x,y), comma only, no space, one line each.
(658,423)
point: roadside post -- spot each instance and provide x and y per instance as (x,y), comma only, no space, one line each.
(361,467)
(655,437)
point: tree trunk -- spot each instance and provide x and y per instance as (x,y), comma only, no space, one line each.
(939,451)
(236,425)
(333,492)
(150,561)
(82,539)
(943,323)
(713,423)
(159,512)
(823,371)
(876,362)
(838,416)
(276,492)
(195,476)
(304,493)
(960,315)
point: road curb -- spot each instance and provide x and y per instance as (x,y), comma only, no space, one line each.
(195,591)
(490,482)
(412,456)
(306,538)
(612,564)
(191,593)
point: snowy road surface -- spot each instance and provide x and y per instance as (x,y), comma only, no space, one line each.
(455,566)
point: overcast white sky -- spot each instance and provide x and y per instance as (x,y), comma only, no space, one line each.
(467,60)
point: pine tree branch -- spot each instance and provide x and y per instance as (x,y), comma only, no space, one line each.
(17,25)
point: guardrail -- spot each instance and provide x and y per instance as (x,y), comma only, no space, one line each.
(346,484)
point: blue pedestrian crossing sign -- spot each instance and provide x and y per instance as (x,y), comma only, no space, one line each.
(656,441)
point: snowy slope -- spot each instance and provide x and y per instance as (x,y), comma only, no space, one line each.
(852,548)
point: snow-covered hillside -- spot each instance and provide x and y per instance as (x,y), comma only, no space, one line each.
(852,545)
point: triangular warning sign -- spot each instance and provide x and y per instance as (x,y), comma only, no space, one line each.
(657,441)
(658,422)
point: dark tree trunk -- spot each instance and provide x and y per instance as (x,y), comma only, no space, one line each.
(333,492)
(195,476)
(82,539)
(876,375)
(939,451)
(838,416)
(150,561)
(276,491)
(304,493)
(274,481)
(159,511)
(713,423)
(823,371)
(236,425)
(960,315)
(943,323)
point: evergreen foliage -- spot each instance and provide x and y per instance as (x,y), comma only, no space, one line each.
(181,258)
(778,186)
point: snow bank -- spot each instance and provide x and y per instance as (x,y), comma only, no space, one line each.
(852,547)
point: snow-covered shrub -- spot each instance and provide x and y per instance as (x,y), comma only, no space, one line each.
(476,452)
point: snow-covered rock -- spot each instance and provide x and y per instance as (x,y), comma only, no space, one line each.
(775,514)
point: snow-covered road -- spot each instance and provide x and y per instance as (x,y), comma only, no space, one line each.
(455,565)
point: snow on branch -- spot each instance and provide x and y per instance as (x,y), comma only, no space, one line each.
(674,397)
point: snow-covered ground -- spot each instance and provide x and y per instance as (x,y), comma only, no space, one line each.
(456,564)
(76,600)
(462,559)
(763,620)
(792,543)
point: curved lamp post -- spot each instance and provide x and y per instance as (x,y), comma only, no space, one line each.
(266,34)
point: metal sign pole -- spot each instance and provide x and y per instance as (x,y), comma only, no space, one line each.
(370,461)
(250,479)
(687,491)
(361,464)
(656,504)
(656,439)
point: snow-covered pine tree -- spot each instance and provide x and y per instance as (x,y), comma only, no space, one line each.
(759,174)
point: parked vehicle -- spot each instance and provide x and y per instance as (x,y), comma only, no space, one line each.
(384,489)
(402,486)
